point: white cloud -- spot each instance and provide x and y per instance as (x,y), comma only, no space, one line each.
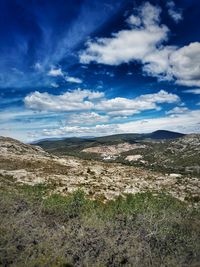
(87,118)
(173,12)
(127,107)
(144,42)
(157,63)
(73,79)
(81,100)
(185,65)
(55,72)
(12,114)
(160,97)
(177,110)
(15,122)
(131,44)
(134,20)
(76,100)
(102,129)
(171,63)
(188,122)
(195,91)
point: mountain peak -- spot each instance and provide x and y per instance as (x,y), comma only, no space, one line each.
(165,134)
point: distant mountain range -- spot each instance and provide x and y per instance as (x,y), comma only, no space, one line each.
(71,144)
(160,134)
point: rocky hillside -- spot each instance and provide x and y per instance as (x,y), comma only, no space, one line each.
(161,151)
(113,149)
(27,164)
(180,155)
(12,146)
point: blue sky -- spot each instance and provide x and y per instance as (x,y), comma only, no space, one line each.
(89,68)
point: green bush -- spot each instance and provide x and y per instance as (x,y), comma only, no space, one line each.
(69,206)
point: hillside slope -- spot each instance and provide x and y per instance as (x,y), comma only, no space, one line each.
(161,151)
(27,164)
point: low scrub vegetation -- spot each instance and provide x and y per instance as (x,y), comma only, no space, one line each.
(146,229)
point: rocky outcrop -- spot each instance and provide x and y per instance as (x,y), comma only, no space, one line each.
(113,149)
(12,146)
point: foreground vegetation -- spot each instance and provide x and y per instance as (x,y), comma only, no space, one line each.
(146,229)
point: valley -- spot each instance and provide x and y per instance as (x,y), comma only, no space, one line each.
(133,170)
(161,151)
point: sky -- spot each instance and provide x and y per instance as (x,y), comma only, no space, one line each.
(93,68)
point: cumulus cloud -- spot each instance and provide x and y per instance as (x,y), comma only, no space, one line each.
(73,79)
(177,110)
(144,42)
(142,37)
(87,118)
(157,63)
(76,100)
(185,65)
(81,100)
(174,13)
(171,63)
(127,107)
